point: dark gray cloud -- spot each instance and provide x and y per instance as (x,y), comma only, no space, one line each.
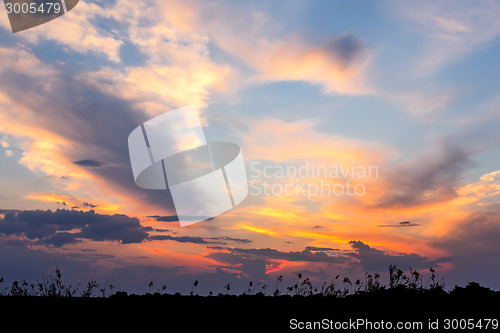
(427,178)
(182,239)
(346,48)
(232,239)
(252,267)
(5,211)
(304,255)
(475,248)
(161,230)
(169,218)
(59,239)
(200,240)
(96,123)
(373,260)
(324,249)
(400,225)
(175,218)
(370,259)
(61,227)
(88,163)
(255,262)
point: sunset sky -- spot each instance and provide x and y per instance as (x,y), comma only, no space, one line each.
(406,90)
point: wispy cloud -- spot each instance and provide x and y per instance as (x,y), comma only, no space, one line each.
(452,30)
(400,225)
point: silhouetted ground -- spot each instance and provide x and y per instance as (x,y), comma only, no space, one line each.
(257,312)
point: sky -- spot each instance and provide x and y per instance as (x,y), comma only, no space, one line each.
(369,132)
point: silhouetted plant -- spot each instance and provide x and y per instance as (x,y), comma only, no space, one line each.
(331,290)
(433,282)
(91,286)
(195,284)
(150,285)
(276,290)
(372,283)
(250,288)
(347,282)
(358,285)
(303,286)
(18,290)
(264,286)
(414,280)
(104,289)
(306,288)
(2,290)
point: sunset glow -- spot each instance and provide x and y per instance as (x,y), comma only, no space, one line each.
(367,139)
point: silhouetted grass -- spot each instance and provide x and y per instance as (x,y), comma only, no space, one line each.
(407,296)
(53,286)
(338,287)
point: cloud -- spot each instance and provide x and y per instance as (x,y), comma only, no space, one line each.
(175,218)
(268,253)
(170,218)
(337,63)
(176,69)
(373,260)
(103,103)
(200,240)
(268,138)
(400,225)
(346,48)
(474,245)
(58,240)
(182,239)
(73,201)
(78,31)
(67,226)
(51,140)
(90,110)
(427,178)
(233,239)
(423,105)
(88,163)
(323,249)
(324,261)
(452,31)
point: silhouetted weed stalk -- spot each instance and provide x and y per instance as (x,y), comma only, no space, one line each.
(53,286)
(338,287)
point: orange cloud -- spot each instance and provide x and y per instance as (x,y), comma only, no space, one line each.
(277,140)
(74,201)
(296,61)
(77,32)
